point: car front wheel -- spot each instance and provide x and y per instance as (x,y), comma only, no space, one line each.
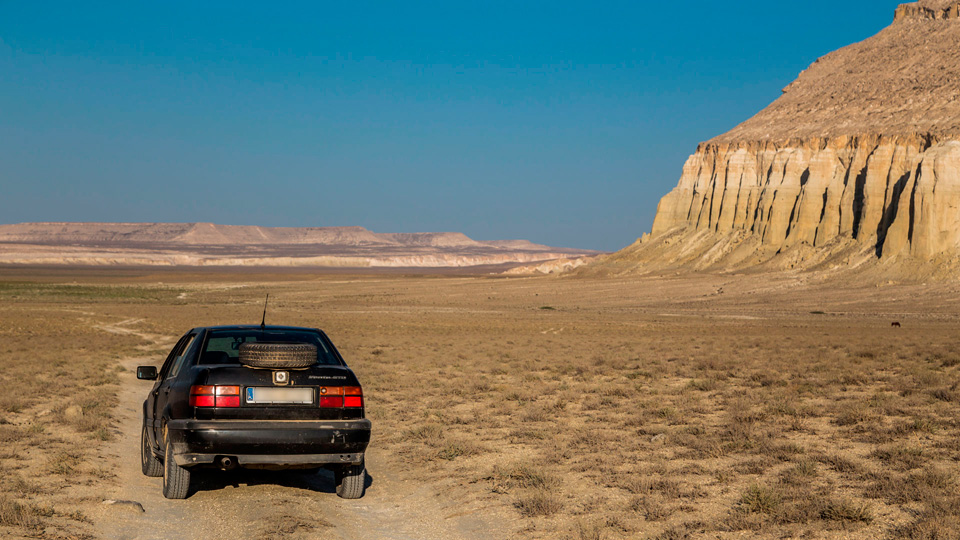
(176,479)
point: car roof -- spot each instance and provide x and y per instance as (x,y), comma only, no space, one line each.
(255,327)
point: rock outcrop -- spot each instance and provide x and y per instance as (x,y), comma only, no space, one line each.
(936,10)
(858,159)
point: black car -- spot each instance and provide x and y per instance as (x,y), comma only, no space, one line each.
(273,397)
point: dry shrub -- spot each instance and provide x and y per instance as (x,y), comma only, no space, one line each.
(944,394)
(761,500)
(900,457)
(757,465)
(459,448)
(800,474)
(537,413)
(840,463)
(762,506)
(429,433)
(781,452)
(652,508)
(538,502)
(939,520)
(14,483)
(14,514)
(950,361)
(11,434)
(525,475)
(846,511)
(64,463)
(593,531)
(852,415)
(287,526)
(681,532)
(704,385)
(927,485)
(644,485)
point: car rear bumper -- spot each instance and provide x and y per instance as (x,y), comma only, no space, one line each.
(258,442)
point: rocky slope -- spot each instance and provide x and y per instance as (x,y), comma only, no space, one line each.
(857,162)
(199,244)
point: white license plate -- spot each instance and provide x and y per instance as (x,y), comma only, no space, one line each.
(279,395)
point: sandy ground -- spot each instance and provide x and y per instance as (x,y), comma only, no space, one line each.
(667,406)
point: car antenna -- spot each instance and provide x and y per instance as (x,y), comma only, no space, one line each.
(263,322)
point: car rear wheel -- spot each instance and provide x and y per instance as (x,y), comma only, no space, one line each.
(351,481)
(149,463)
(176,479)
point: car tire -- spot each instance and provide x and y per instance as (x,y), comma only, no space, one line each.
(176,479)
(149,463)
(278,355)
(351,481)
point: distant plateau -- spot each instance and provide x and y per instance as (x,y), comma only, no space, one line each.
(209,244)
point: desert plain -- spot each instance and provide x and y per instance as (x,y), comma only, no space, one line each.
(737,405)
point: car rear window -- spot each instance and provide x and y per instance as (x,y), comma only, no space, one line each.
(223,346)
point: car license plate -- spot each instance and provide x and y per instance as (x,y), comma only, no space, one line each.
(261,395)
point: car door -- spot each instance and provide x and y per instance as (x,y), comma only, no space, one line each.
(157,400)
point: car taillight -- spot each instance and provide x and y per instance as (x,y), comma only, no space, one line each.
(215,396)
(330,397)
(331,402)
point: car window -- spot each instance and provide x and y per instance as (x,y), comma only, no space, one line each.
(223,346)
(168,363)
(182,355)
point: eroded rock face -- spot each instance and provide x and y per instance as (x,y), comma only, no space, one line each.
(895,194)
(935,203)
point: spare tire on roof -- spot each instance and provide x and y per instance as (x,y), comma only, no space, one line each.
(278,355)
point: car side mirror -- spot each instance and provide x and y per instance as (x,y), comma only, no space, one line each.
(147,373)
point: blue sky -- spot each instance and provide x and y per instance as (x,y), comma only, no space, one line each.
(558,122)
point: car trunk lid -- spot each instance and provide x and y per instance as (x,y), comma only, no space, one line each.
(319,392)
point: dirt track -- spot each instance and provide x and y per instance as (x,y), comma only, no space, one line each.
(247,504)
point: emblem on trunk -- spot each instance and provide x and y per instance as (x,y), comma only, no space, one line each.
(281,377)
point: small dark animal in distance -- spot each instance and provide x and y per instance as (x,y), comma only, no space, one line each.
(895,324)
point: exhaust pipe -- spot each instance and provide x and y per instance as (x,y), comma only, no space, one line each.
(227,463)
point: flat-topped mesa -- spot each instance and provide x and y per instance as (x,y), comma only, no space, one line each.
(903,80)
(861,150)
(931,9)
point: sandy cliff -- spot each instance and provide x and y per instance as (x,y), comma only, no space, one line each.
(895,194)
(859,159)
